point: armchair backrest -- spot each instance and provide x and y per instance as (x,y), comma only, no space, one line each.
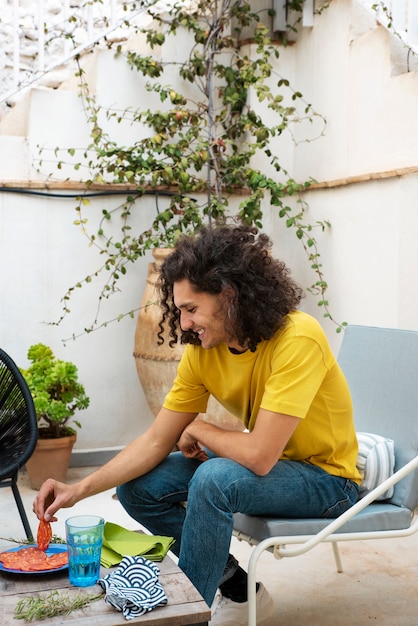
(18,424)
(381,367)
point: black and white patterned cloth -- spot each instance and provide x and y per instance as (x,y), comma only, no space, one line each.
(133,587)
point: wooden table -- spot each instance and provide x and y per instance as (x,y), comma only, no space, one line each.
(185,605)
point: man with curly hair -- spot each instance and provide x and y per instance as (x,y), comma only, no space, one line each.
(247,344)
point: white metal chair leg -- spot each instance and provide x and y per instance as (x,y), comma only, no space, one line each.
(252,582)
(337,557)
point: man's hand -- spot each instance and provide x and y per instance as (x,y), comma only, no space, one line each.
(191,448)
(51,497)
(258,450)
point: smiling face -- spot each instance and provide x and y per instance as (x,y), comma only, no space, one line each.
(204,313)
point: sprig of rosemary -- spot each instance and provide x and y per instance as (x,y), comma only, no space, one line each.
(54,539)
(42,607)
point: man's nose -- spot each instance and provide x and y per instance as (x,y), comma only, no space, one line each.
(186,321)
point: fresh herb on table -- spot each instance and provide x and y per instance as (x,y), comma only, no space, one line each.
(42,607)
(54,539)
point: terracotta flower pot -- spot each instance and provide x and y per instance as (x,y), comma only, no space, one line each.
(50,459)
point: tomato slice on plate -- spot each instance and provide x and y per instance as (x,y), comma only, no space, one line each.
(33,560)
(57,560)
(44,534)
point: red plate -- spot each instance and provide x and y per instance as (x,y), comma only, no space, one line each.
(54,548)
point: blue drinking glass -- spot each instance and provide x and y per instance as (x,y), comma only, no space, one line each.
(84,541)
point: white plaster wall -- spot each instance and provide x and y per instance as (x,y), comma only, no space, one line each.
(369,256)
(343,67)
(42,254)
(66,26)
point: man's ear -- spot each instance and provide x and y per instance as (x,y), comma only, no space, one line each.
(230,293)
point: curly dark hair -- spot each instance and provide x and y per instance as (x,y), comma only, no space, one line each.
(237,257)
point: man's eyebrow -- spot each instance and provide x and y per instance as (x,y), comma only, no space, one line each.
(183,303)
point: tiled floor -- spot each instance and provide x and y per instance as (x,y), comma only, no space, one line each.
(379,584)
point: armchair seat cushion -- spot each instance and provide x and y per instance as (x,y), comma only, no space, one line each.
(379,516)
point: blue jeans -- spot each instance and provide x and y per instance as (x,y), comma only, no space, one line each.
(215,490)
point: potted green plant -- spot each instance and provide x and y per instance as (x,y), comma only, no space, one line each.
(57,395)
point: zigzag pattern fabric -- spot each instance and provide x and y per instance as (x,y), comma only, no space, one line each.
(133,588)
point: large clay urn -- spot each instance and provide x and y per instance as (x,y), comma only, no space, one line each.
(157,364)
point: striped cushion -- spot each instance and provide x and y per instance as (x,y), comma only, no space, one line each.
(376,462)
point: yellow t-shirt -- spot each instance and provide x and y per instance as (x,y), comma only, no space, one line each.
(295,373)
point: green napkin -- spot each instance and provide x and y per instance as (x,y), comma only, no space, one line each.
(119,542)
